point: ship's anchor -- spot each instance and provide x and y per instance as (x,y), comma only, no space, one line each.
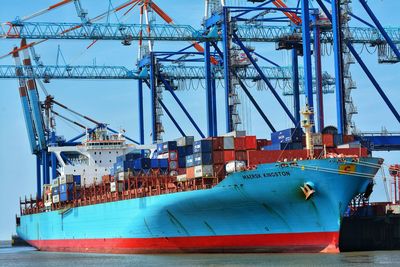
(308,190)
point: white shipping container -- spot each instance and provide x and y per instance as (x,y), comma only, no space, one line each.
(63,180)
(350,145)
(56,198)
(163,156)
(69,178)
(113,187)
(229,142)
(185,141)
(235,133)
(203,171)
(235,166)
(181,178)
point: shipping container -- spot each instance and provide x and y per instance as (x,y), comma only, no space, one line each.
(241,155)
(218,157)
(185,141)
(348,139)
(77,179)
(112,170)
(173,155)
(168,146)
(163,164)
(120,158)
(63,179)
(142,164)
(63,188)
(116,185)
(218,143)
(182,162)
(66,196)
(262,143)
(229,155)
(55,182)
(229,142)
(173,165)
(190,173)
(133,156)
(202,146)
(190,161)
(181,178)
(337,139)
(123,166)
(154,164)
(202,159)
(203,171)
(287,136)
(55,190)
(56,199)
(246,143)
(189,150)
(182,151)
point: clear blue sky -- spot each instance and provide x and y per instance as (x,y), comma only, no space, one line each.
(115,102)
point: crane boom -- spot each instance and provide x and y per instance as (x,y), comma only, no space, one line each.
(25,103)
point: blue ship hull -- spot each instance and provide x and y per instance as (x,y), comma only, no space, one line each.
(257,210)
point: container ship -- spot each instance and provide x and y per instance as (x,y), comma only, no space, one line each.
(232,193)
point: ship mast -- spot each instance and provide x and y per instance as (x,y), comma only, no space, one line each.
(308,125)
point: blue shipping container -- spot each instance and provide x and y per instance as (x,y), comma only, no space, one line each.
(132,156)
(189,161)
(182,162)
(189,150)
(154,163)
(202,146)
(55,190)
(202,159)
(181,151)
(66,196)
(63,188)
(163,163)
(77,179)
(120,158)
(287,136)
(142,164)
(168,146)
(124,166)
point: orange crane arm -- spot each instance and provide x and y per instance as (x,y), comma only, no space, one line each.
(292,16)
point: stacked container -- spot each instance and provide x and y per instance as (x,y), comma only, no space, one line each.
(55,190)
(202,159)
(68,184)
(288,139)
(169,151)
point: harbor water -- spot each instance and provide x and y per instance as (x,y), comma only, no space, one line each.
(26,256)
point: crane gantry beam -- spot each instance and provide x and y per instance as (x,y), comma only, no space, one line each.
(167,32)
(173,72)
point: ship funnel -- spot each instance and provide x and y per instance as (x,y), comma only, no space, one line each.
(308,190)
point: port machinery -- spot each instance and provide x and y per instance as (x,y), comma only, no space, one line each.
(226,30)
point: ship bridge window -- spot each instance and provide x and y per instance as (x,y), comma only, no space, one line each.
(109,152)
(95,152)
(99,153)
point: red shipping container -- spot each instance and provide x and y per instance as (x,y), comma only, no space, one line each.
(229,155)
(218,157)
(241,155)
(219,170)
(348,139)
(327,139)
(218,143)
(181,171)
(190,173)
(240,143)
(251,142)
(262,143)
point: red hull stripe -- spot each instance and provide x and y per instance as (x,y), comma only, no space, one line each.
(299,242)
